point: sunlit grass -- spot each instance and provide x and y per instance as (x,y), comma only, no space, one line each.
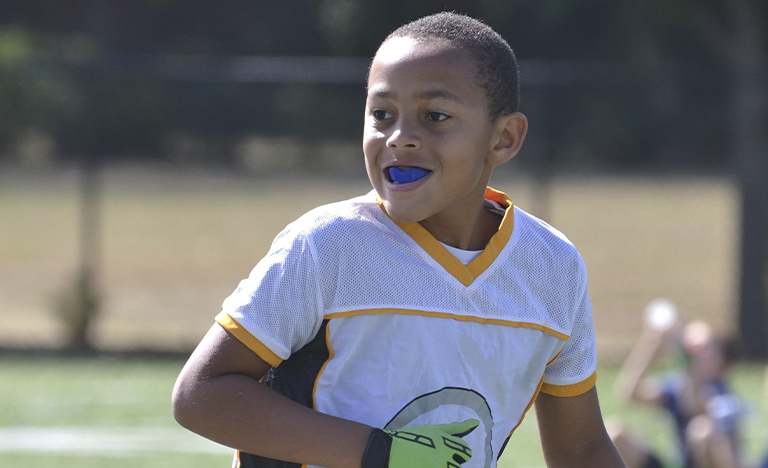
(96,412)
(122,402)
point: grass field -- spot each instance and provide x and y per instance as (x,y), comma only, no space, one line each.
(175,244)
(82,413)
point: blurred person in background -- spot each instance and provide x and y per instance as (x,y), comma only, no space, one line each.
(696,396)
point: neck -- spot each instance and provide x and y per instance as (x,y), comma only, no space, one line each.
(472,232)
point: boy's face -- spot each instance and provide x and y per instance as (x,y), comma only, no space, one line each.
(424,110)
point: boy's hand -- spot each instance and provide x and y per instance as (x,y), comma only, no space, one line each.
(425,446)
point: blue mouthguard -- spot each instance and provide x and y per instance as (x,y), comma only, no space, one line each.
(407,175)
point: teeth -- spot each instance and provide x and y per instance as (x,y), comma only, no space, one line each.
(407,175)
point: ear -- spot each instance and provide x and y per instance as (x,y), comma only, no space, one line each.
(509,136)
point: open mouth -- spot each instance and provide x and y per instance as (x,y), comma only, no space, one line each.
(405,175)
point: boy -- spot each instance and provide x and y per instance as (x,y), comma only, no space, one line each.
(416,325)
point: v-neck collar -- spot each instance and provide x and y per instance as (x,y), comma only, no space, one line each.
(465,274)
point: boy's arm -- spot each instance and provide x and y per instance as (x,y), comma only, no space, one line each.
(572,432)
(218,395)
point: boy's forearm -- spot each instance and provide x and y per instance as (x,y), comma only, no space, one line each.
(572,432)
(602,454)
(237,411)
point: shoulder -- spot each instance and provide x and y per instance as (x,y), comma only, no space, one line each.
(317,241)
(535,238)
(539,230)
(334,221)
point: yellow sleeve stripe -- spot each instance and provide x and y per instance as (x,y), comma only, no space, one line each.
(570,390)
(245,337)
(447,315)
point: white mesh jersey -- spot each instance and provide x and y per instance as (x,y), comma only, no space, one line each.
(379,323)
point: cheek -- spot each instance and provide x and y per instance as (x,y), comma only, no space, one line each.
(368,151)
(466,168)
(373,142)
(468,157)
(369,155)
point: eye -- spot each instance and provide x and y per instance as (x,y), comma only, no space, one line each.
(380,114)
(435,116)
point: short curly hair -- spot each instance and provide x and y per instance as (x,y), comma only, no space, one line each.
(497,69)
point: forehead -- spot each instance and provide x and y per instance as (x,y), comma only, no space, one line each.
(406,61)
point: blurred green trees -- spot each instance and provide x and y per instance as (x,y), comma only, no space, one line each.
(612,83)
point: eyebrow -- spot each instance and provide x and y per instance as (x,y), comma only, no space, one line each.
(422,96)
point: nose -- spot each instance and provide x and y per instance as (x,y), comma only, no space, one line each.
(404,136)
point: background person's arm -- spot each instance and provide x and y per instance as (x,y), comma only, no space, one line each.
(634,382)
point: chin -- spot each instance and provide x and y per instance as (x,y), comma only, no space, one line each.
(403,215)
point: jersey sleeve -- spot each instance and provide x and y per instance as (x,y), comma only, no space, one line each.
(572,372)
(277,309)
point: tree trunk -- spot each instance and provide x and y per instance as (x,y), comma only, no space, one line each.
(749,120)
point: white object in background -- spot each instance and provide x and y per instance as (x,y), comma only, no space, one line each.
(661,314)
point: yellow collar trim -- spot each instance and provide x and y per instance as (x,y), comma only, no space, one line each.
(465,274)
